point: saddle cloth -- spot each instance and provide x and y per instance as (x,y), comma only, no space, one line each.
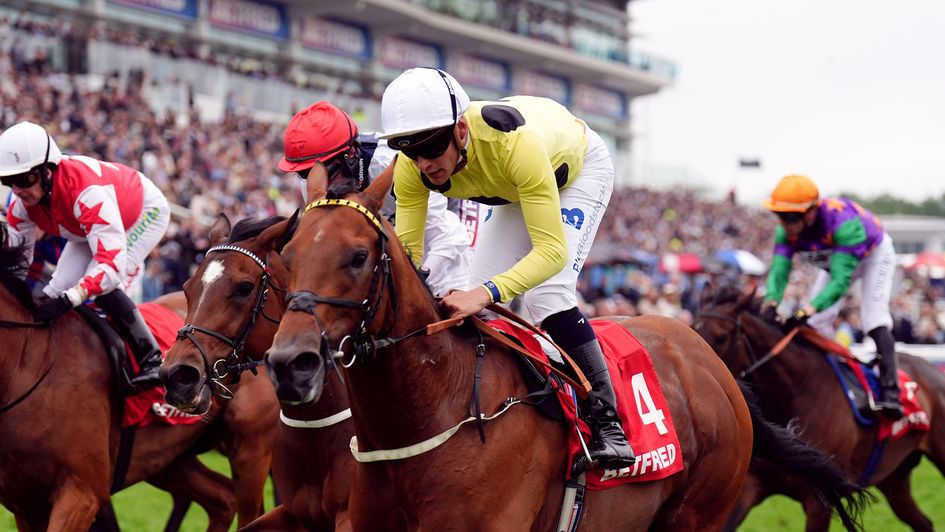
(856,378)
(148,406)
(640,403)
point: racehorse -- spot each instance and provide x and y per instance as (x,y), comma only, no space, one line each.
(798,387)
(60,423)
(357,297)
(236,301)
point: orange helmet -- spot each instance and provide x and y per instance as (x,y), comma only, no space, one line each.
(794,193)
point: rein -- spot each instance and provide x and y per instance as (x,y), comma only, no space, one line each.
(7,324)
(231,365)
(738,335)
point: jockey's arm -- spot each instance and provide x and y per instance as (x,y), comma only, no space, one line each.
(843,263)
(780,267)
(21,231)
(529,170)
(105,235)
(411,213)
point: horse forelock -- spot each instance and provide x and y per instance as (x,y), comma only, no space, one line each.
(249,227)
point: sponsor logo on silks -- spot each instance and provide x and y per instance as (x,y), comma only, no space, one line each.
(166,410)
(140,228)
(488,215)
(573,217)
(659,458)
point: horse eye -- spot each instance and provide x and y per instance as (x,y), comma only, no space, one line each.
(243,289)
(359,258)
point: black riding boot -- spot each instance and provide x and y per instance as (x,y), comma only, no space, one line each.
(888,372)
(609,446)
(135,332)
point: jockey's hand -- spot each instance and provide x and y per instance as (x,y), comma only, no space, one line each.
(463,303)
(52,308)
(769,312)
(799,317)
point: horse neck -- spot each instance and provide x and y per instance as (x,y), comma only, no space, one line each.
(16,362)
(787,376)
(418,387)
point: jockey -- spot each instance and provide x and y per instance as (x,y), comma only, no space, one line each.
(111,217)
(548,178)
(846,240)
(323,133)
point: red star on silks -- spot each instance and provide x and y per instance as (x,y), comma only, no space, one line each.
(93,285)
(90,216)
(14,220)
(106,256)
(835,205)
(828,239)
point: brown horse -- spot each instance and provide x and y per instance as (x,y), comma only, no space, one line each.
(358,298)
(60,421)
(798,387)
(236,300)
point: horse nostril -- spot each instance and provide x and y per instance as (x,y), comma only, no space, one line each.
(306,362)
(184,376)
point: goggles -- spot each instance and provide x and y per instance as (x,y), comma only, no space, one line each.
(791,217)
(426,144)
(25,180)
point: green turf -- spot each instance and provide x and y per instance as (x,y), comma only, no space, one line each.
(142,508)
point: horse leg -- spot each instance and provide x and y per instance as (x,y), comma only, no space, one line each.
(818,516)
(278,518)
(188,478)
(898,491)
(753,492)
(74,506)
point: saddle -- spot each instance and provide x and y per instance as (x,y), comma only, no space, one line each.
(119,358)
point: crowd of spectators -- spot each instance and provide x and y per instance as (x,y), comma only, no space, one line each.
(230,167)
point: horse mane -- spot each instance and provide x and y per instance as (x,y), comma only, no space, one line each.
(730,295)
(250,227)
(340,188)
(13,265)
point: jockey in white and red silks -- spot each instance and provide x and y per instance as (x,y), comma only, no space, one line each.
(111,216)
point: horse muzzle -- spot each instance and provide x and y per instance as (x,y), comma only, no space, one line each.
(298,374)
(184,388)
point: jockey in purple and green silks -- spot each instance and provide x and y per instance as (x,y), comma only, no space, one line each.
(846,242)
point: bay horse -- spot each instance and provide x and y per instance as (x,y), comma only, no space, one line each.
(356,296)
(236,299)
(799,388)
(60,423)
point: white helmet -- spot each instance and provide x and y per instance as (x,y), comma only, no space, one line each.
(421,99)
(24,147)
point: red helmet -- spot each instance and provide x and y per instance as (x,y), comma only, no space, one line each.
(316,134)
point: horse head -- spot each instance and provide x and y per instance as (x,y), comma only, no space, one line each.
(234,303)
(343,260)
(729,321)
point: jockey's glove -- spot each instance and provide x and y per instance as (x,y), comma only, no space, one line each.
(52,308)
(769,312)
(797,319)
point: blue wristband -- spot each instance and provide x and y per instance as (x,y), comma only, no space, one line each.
(493,291)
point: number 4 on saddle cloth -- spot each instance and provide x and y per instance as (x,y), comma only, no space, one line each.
(147,406)
(640,403)
(861,385)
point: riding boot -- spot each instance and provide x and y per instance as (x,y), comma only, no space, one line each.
(133,329)
(609,446)
(888,372)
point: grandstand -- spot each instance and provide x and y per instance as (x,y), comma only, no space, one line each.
(270,58)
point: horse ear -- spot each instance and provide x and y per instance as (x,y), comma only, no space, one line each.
(276,236)
(746,299)
(705,297)
(220,230)
(317,182)
(291,224)
(373,196)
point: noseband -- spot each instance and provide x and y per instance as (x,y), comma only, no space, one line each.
(231,365)
(362,342)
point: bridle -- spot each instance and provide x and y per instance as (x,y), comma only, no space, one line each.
(231,365)
(738,335)
(362,342)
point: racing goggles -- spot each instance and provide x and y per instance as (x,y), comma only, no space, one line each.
(426,144)
(25,180)
(791,217)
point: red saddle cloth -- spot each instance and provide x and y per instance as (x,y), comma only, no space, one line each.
(640,403)
(148,406)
